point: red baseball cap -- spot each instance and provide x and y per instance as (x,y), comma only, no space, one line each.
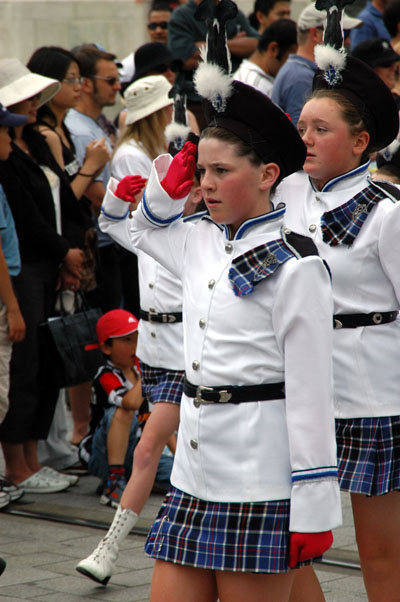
(114,323)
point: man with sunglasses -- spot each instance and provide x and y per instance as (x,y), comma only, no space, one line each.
(99,89)
(157,23)
(157,28)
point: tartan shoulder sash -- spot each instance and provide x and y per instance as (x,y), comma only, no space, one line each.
(342,225)
(255,265)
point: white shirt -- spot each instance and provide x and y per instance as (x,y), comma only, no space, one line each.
(255,451)
(159,345)
(365,278)
(251,74)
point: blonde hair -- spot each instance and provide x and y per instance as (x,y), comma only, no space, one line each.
(148,132)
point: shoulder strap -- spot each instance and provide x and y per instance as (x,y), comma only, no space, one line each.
(390,189)
(301,246)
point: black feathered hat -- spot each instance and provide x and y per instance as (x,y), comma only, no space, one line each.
(241,109)
(367,92)
(354,79)
(255,119)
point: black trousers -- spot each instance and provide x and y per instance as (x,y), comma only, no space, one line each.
(32,396)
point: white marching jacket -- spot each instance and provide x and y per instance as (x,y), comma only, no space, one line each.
(282,331)
(365,279)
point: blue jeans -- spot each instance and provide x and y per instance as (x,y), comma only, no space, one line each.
(98,462)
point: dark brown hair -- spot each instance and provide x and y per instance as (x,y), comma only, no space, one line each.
(242,149)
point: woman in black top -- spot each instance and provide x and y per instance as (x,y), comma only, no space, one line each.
(48,259)
(60,64)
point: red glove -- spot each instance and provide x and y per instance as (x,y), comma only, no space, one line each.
(129,187)
(179,179)
(304,546)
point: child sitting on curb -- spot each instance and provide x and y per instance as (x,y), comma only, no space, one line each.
(118,396)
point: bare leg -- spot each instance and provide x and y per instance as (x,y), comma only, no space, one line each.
(377,525)
(79,399)
(306,586)
(163,421)
(242,587)
(17,468)
(177,583)
(31,455)
(171,444)
(118,435)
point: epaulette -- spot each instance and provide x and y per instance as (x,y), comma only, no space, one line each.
(390,189)
(301,246)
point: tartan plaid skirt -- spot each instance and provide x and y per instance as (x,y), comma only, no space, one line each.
(159,384)
(369,454)
(246,537)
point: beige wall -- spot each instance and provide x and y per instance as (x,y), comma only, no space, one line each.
(118,25)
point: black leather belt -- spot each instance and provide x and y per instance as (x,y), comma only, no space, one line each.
(154,316)
(354,320)
(230,394)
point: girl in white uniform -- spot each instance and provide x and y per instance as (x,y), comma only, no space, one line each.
(355,224)
(160,344)
(254,479)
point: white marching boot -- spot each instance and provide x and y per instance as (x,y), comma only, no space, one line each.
(100,564)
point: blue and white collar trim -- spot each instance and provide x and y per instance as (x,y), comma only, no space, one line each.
(361,169)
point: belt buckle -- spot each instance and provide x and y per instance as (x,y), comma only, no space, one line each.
(198,400)
(151,312)
(224,396)
(338,324)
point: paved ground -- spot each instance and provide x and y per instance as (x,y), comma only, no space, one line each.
(42,537)
(41,554)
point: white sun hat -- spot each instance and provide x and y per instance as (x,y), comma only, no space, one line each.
(146,96)
(17,83)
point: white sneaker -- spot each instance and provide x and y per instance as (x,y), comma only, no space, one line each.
(40,483)
(54,474)
(7,486)
(4,499)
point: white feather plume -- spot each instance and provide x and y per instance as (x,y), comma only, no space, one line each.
(211,82)
(327,57)
(175,131)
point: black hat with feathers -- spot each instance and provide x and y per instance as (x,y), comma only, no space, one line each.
(239,108)
(353,78)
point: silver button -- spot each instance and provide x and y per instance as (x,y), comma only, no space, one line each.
(194,444)
(228,247)
(287,231)
(151,284)
(317,197)
(211,284)
(195,365)
(153,334)
(202,323)
(312,227)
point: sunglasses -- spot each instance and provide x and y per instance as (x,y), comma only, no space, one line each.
(110,80)
(164,67)
(153,26)
(73,81)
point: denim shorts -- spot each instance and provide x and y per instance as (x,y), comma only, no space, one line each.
(98,462)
